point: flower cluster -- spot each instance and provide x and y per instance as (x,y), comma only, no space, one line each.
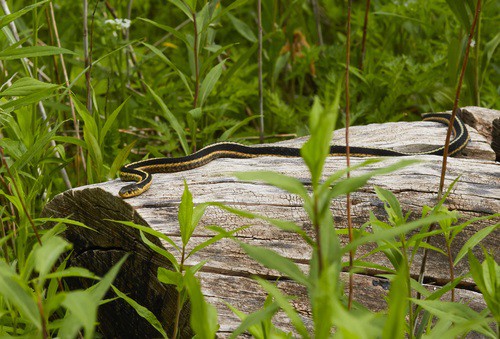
(118,23)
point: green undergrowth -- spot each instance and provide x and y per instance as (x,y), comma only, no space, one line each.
(183,74)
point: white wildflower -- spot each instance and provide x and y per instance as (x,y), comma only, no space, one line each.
(118,23)
(472,43)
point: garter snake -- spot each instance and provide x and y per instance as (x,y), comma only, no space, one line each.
(141,171)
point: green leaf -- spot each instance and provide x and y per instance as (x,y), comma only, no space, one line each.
(460,11)
(178,34)
(15,290)
(171,278)
(285,305)
(393,232)
(185,215)
(284,182)
(172,65)
(242,28)
(214,239)
(148,230)
(456,313)
(6,19)
(475,239)
(275,261)
(27,100)
(83,310)
(47,254)
(120,159)
(209,82)
(32,52)
(109,122)
(35,149)
(87,118)
(228,133)
(161,251)
(395,323)
(391,204)
(171,119)
(203,319)
(183,7)
(253,322)
(487,278)
(142,311)
(27,86)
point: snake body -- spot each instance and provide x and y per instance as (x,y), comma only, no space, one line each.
(141,171)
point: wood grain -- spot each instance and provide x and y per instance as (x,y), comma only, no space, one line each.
(226,277)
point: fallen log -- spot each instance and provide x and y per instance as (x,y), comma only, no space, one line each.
(226,277)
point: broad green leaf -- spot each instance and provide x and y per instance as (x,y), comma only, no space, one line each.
(275,261)
(203,319)
(87,118)
(475,239)
(32,52)
(29,99)
(460,11)
(15,290)
(395,323)
(391,204)
(242,28)
(185,215)
(228,133)
(79,272)
(83,308)
(456,313)
(171,278)
(148,230)
(27,86)
(233,5)
(285,305)
(183,7)
(142,311)
(214,239)
(209,82)
(161,251)
(284,182)
(6,19)
(253,322)
(393,232)
(120,159)
(487,278)
(172,65)
(35,149)
(47,254)
(178,34)
(109,122)
(354,183)
(171,119)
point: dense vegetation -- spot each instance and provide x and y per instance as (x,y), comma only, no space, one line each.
(166,78)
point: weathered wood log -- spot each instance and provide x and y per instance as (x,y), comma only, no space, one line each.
(226,277)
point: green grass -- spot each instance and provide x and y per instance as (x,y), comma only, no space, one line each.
(169,87)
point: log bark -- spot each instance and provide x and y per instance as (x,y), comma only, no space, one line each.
(226,277)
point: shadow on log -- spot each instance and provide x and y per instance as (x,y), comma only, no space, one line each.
(226,277)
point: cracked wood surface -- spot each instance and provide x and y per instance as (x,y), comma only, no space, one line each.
(226,277)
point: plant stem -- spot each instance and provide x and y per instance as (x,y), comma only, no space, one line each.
(197,77)
(450,265)
(86,55)
(66,80)
(457,98)
(348,151)
(363,42)
(318,21)
(259,57)
(179,306)
(20,197)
